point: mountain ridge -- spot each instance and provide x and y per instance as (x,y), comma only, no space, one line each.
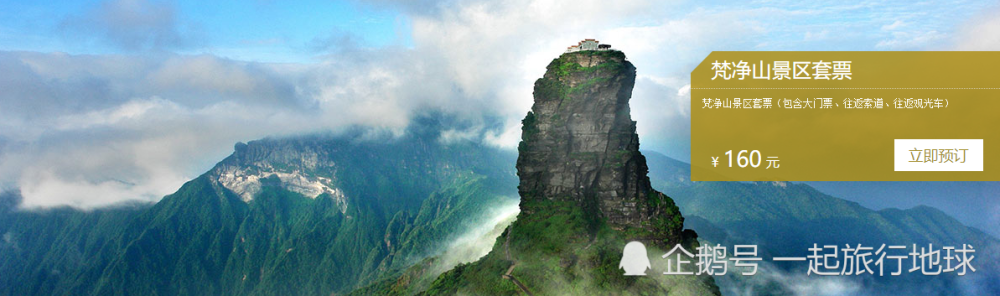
(403,199)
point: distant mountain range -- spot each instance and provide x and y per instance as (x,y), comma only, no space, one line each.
(305,216)
(785,219)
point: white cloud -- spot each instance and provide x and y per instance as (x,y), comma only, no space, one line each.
(507,137)
(901,40)
(455,135)
(769,277)
(135,127)
(684,91)
(980,33)
(810,36)
(478,240)
(131,110)
(893,26)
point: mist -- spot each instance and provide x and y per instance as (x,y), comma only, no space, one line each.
(479,239)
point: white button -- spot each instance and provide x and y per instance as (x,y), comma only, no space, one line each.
(938,155)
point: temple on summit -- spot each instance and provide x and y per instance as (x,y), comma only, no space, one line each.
(588,44)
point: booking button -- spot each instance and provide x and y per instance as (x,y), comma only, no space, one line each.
(938,155)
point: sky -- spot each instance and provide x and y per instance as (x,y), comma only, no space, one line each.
(114,100)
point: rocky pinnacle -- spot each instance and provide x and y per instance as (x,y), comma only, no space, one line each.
(579,144)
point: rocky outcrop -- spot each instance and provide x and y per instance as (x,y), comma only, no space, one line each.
(299,168)
(579,144)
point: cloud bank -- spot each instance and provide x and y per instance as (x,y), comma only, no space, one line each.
(92,130)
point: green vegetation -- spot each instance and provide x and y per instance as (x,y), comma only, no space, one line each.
(584,156)
(405,199)
(486,272)
(555,251)
(34,244)
(567,65)
(617,54)
(619,159)
(586,85)
(550,88)
(529,128)
(564,67)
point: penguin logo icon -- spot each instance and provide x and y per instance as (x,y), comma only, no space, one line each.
(634,259)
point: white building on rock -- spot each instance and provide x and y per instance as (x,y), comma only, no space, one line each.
(588,44)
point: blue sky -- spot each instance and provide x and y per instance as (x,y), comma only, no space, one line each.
(266,31)
(276,31)
(151,93)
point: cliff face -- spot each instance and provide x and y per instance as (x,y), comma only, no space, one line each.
(579,144)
